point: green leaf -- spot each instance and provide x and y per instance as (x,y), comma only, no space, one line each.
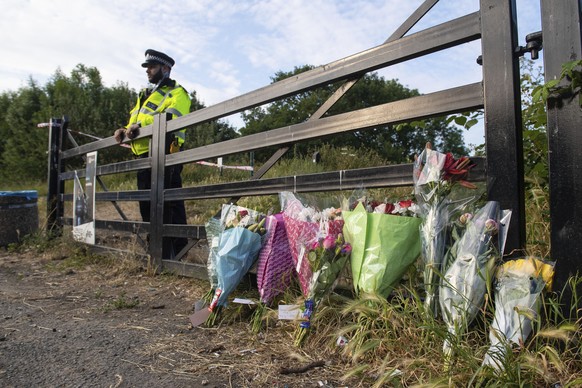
(551,83)
(471,123)
(460,120)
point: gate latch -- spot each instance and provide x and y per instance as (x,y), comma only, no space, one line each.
(533,45)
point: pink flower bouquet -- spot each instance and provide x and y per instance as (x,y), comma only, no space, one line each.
(304,225)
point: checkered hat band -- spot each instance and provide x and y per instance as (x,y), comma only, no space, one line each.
(150,57)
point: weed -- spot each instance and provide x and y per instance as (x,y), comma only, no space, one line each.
(121,302)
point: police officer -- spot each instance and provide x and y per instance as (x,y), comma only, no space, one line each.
(165,96)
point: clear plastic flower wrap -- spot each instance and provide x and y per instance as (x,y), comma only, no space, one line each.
(435,176)
(518,287)
(303,225)
(465,283)
(237,249)
(326,257)
(213,229)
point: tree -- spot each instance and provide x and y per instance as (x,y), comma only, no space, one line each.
(395,143)
(24,153)
(5,100)
(91,108)
(209,132)
(535,137)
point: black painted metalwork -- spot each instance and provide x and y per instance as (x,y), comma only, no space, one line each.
(158,155)
(498,94)
(114,168)
(381,176)
(503,127)
(443,36)
(55,185)
(458,99)
(533,45)
(563,43)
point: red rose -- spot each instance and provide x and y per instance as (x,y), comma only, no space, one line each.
(405,204)
(389,208)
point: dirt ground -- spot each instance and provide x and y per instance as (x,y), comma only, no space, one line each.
(99,324)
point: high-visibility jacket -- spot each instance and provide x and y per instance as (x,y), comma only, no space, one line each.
(169,97)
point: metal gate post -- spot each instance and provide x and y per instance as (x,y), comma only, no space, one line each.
(158,157)
(563,43)
(503,124)
(55,186)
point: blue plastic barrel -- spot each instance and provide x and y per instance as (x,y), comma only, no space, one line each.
(18,215)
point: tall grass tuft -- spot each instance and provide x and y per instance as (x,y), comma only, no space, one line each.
(537,219)
(388,340)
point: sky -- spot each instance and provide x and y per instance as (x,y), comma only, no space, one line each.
(225,48)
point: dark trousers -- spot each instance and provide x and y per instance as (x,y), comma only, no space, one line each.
(174,211)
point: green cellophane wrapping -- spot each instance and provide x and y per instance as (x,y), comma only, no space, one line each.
(383,247)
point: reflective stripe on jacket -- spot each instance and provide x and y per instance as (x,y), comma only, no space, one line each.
(169,97)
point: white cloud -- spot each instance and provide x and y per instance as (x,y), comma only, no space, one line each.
(317,32)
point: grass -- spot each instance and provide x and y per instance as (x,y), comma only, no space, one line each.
(121,302)
(390,342)
(396,336)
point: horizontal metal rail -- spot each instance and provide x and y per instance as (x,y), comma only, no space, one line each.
(108,169)
(440,37)
(457,99)
(443,36)
(372,177)
(397,175)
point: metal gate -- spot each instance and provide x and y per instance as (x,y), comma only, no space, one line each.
(498,94)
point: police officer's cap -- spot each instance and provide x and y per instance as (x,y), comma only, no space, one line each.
(153,57)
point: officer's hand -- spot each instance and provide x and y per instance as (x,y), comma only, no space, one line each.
(133,131)
(119,135)
(174,146)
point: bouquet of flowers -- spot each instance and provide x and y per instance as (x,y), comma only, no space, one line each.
(435,175)
(275,268)
(385,242)
(326,258)
(465,283)
(303,225)
(238,247)
(518,285)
